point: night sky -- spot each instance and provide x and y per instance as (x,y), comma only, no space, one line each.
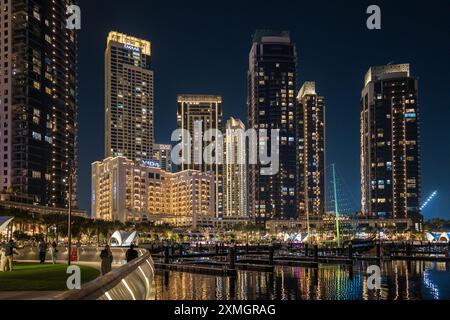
(202,47)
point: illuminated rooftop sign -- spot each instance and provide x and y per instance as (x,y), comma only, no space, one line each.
(128,47)
(130,43)
(151,163)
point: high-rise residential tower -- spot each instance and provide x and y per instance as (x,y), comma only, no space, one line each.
(129,127)
(272,80)
(235,170)
(205,113)
(311,167)
(162,154)
(390,143)
(38,102)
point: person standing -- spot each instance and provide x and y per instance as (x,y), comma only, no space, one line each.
(54,252)
(131,254)
(107,260)
(10,250)
(42,251)
(2,259)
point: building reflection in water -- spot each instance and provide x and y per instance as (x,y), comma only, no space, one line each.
(400,281)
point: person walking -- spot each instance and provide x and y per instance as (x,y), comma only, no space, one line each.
(10,251)
(2,259)
(131,254)
(54,252)
(42,251)
(107,260)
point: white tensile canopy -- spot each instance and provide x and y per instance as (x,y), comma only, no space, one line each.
(4,222)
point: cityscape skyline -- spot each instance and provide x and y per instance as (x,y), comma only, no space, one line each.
(224,152)
(343,160)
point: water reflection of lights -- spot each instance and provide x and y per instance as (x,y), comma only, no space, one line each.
(434,289)
(400,281)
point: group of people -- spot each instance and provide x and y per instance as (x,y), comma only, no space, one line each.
(44,247)
(107,258)
(7,253)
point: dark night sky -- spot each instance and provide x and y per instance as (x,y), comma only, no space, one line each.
(202,47)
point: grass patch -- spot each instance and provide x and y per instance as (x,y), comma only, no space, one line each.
(37,277)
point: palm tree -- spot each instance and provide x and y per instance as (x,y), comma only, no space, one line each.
(89,228)
(49,221)
(103,228)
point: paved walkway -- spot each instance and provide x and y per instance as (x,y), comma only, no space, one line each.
(29,295)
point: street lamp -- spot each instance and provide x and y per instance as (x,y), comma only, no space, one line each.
(69,222)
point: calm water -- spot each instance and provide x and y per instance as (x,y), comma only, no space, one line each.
(401,281)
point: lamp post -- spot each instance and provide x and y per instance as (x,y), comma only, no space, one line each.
(69,222)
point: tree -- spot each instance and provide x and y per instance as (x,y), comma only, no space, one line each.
(89,228)
(38,237)
(20,236)
(438,225)
(50,221)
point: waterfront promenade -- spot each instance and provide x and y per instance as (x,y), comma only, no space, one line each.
(32,279)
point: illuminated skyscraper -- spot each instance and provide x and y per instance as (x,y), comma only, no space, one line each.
(162,154)
(390,143)
(235,170)
(206,112)
(128,98)
(311,167)
(272,80)
(38,102)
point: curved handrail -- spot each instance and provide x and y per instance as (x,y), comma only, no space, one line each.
(98,287)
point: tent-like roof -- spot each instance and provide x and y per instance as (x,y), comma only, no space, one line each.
(123,239)
(4,222)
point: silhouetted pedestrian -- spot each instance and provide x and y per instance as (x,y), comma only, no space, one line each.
(131,254)
(107,260)
(10,251)
(42,251)
(54,252)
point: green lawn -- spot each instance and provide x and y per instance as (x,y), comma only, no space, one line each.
(36,277)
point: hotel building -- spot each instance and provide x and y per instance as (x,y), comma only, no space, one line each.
(390,143)
(206,112)
(38,102)
(235,170)
(125,190)
(311,167)
(272,81)
(129,100)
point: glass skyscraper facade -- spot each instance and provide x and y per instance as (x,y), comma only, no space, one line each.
(203,112)
(38,102)
(272,81)
(312,161)
(129,99)
(390,143)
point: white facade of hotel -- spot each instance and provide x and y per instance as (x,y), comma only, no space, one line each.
(124,190)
